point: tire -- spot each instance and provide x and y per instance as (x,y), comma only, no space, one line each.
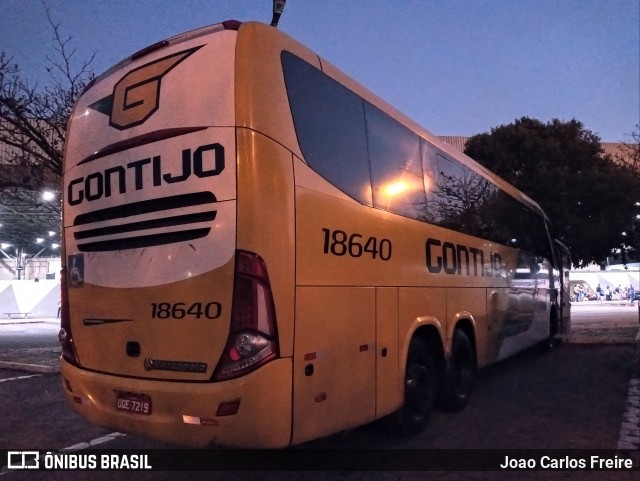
(551,342)
(420,381)
(460,374)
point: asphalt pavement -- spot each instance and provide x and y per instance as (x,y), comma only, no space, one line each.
(42,355)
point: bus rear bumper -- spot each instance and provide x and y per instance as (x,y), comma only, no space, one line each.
(190,414)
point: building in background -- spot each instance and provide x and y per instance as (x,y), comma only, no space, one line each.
(29,217)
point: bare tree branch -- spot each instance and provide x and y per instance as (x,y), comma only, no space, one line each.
(630,155)
(33,119)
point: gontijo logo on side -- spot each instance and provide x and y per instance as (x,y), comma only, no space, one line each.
(136,96)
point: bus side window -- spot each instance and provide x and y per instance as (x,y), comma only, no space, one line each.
(396,170)
(458,198)
(329,123)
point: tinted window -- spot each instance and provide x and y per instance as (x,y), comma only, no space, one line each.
(396,170)
(329,123)
(458,198)
(355,146)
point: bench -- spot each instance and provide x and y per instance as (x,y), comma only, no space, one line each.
(11,314)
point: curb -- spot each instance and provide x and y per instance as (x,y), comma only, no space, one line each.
(21,366)
(13,322)
(586,304)
(596,340)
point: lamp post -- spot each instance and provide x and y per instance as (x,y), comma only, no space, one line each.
(278,7)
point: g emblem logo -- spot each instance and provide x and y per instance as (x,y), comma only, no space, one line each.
(136,96)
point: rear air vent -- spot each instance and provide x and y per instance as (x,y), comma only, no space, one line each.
(148,224)
(126,229)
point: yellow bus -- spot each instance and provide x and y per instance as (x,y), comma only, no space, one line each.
(258,251)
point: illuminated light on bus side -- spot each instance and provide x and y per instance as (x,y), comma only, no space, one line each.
(391,190)
(199,421)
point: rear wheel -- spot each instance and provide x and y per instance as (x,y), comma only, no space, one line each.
(460,374)
(553,341)
(420,381)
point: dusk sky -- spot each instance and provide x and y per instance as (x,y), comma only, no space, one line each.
(457,67)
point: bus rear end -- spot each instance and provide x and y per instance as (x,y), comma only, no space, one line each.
(168,330)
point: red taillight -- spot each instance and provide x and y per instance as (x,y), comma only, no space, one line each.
(253,340)
(64,335)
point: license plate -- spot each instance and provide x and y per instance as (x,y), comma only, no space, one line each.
(133,403)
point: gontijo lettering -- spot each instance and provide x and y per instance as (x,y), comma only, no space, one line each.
(461,260)
(206,161)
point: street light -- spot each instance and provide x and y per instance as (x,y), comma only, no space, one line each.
(278,7)
(47,195)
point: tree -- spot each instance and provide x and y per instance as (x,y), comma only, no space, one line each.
(630,155)
(33,118)
(33,123)
(630,158)
(588,197)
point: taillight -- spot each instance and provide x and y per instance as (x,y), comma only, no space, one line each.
(253,340)
(64,335)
